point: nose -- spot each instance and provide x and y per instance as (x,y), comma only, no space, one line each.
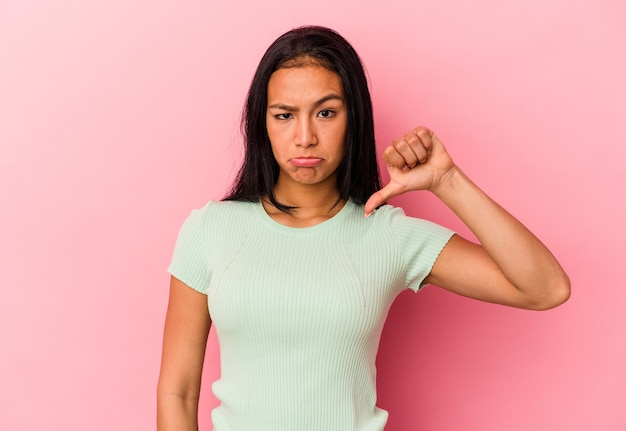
(305,133)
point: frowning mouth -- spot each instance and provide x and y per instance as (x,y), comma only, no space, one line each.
(306,162)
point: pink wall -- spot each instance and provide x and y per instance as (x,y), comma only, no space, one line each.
(117,118)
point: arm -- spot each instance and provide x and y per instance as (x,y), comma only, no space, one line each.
(187,326)
(510,266)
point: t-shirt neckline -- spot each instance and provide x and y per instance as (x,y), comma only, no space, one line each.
(344,212)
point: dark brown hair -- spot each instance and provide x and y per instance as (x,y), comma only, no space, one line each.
(358,176)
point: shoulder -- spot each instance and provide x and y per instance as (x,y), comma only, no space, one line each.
(219,224)
(396,218)
(216,217)
(410,231)
(225,210)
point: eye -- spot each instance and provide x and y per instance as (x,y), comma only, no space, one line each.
(326,113)
(283,116)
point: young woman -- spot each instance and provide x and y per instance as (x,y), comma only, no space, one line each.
(301,262)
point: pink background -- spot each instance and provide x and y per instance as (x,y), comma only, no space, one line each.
(119,117)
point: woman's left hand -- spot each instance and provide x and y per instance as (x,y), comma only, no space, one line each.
(416,161)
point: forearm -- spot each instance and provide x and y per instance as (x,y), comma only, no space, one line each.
(187,325)
(519,255)
(176,412)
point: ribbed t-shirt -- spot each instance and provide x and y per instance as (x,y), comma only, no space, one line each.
(299,311)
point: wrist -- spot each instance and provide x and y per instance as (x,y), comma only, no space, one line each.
(449,182)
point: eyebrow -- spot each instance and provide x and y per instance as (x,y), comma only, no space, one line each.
(323,100)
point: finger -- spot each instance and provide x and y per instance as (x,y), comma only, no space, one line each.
(406,147)
(426,136)
(418,148)
(381,196)
(392,157)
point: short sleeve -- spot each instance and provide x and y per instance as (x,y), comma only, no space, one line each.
(189,261)
(421,242)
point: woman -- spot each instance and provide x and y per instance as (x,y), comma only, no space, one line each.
(298,281)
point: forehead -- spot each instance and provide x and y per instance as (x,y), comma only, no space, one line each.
(304,81)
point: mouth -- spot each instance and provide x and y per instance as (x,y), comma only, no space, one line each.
(306,162)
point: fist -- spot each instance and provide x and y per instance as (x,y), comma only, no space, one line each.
(410,150)
(416,161)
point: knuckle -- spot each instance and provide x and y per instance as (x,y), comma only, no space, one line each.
(401,144)
(387,152)
(411,139)
(422,132)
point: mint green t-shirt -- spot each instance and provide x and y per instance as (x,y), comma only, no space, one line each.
(299,311)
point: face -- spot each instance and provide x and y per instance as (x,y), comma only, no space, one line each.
(306,124)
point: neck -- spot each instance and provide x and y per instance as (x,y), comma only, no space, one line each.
(313,205)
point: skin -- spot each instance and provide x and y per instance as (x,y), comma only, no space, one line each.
(509,266)
(187,324)
(306,123)
(306,117)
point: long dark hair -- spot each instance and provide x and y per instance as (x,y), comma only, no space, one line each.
(358,176)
